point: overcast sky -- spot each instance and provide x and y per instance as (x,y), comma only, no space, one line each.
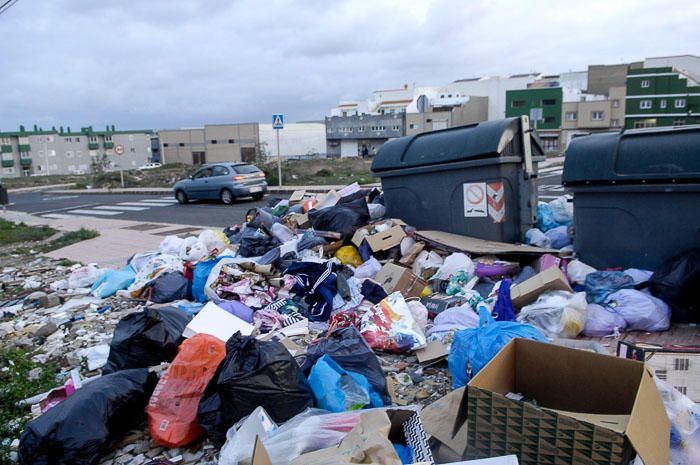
(174,63)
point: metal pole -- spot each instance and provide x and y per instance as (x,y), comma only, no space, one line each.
(279,159)
(121,173)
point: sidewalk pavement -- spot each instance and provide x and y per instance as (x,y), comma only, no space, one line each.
(117,242)
(19,190)
(169,191)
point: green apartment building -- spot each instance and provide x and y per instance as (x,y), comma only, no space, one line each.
(549,99)
(661,97)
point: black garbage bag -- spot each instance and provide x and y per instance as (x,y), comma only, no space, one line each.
(344,218)
(350,350)
(146,338)
(254,373)
(257,245)
(361,194)
(82,428)
(677,282)
(168,287)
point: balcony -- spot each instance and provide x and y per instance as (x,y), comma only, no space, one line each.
(8,163)
(25,148)
(93,145)
(109,145)
(6,149)
(25,161)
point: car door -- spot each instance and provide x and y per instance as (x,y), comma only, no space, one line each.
(220,177)
(200,184)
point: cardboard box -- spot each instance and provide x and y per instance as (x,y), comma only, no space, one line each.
(677,365)
(394,278)
(431,354)
(298,220)
(591,408)
(380,241)
(551,279)
(438,303)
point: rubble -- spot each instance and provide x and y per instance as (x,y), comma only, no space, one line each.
(295,290)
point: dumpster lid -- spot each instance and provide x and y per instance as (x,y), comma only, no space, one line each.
(479,140)
(667,154)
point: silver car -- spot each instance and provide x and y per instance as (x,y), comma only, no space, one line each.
(224,181)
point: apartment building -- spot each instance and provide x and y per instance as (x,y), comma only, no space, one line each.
(543,104)
(663,96)
(442,114)
(350,136)
(40,152)
(211,143)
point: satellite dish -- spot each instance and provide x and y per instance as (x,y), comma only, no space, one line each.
(422,104)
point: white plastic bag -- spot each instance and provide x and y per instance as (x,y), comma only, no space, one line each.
(419,312)
(555,313)
(641,311)
(212,241)
(537,238)
(188,252)
(282,233)
(171,245)
(602,321)
(454,264)
(376,210)
(577,271)
(562,210)
(407,244)
(85,276)
(368,269)
(426,260)
(685,424)
(240,438)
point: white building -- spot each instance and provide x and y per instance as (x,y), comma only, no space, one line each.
(297,140)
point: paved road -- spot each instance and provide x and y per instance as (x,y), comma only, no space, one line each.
(164,209)
(160,209)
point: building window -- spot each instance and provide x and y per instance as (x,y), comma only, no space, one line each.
(679,103)
(67,140)
(77,139)
(548,119)
(51,152)
(597,115)
(442,95)
(644,104)
(517,103)
(181,144)
(50,138)
(214,141)
(615,123)
(9,170)
(412,126)
(645,123)
(548,102)
(93,139)
(571,116)
(231,141)
(662,103)
(646,83)
(69,154)
(132,150)
(396,127)
(616,103)
(165,144)
(679,122)
(449,95)
(108,138)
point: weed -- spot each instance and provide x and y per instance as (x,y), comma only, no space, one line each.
(11,232)
(69,238)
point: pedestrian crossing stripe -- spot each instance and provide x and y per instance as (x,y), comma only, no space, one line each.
(496,201)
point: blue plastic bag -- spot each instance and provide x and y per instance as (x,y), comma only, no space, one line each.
(112,281)
(559,237)
(545,217)
(338,390)
(200,276)
(504,309)
(600,284)
(473,348)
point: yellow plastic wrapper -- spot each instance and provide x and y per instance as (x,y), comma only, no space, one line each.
(348,255)
(426,292)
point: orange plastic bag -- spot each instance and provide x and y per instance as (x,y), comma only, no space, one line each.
(172,410)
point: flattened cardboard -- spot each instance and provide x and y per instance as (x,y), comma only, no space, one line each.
(217,322)
(600,389)
(296,197)
(456,243)
(380,241)
(551,279)
(431,354)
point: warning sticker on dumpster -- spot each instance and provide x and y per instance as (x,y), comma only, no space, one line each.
(497,201)
(475,199)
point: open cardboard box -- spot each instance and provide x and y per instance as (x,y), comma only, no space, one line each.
(551,279)
(393,277)
(380,241)
(591,408)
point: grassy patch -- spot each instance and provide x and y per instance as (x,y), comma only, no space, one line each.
(15,385)
(69,238)
(320,172)
(11,232)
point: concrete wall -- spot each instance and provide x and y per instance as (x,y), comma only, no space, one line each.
(494,88)
(218,142)
(296,139)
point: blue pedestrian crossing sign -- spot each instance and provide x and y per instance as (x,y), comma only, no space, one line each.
(278,121)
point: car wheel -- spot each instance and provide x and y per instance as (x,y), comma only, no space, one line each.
(181,197)
(258,196)
(227,196)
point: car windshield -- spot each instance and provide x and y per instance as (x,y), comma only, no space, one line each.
(246,169)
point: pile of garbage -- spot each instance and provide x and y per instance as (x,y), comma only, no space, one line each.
(275,335)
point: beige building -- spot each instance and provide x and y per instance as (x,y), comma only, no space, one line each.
(594,113)
(442,117)
(210,144)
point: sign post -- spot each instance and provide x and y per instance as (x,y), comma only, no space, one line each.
(119,150)
(277,124)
